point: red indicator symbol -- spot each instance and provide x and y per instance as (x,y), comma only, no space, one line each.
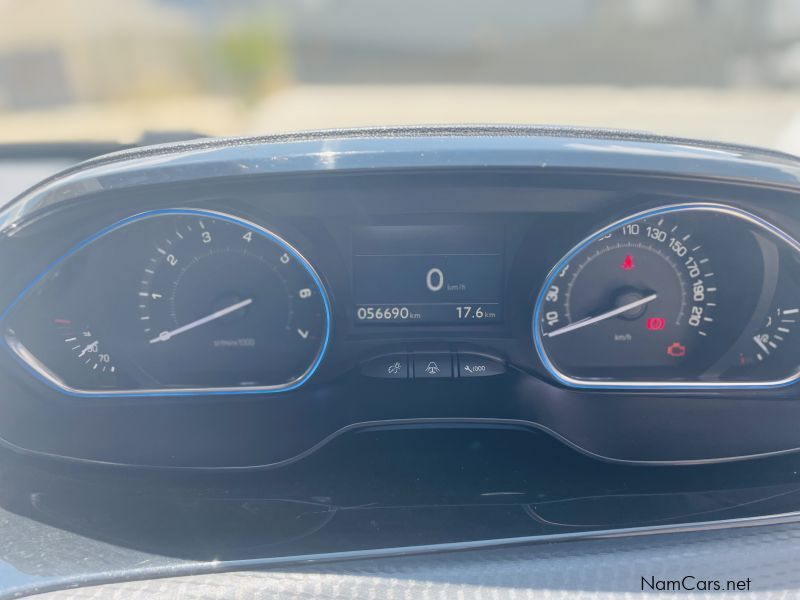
(62,321)
(676,349)
(656,323)
(627,264)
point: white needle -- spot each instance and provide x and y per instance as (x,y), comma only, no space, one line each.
(760,344)
(92,345)
(165,335)
(602,317)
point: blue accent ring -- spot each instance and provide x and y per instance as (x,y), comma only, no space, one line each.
(209,214)
(589,384)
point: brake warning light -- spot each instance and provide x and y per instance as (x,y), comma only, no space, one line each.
(656,323)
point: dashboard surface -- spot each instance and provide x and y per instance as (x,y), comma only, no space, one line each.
(766,554)
(355,340)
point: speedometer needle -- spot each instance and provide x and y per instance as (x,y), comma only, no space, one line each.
(602,316)
(166,335)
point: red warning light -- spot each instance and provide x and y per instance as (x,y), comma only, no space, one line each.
(676,349)
(627,264)
(656,323)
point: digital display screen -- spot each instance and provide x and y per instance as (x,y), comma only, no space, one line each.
(428,274)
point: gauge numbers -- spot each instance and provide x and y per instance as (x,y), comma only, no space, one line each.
(635,300)
(87,349)
(226,305)
(91,357)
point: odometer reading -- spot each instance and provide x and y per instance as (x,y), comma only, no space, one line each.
(386,313)
(432,312)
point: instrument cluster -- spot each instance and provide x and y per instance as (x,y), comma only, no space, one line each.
(205,302)
(244,303)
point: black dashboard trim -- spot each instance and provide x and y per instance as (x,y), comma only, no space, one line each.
(398,424)
(421,131)
(492,130)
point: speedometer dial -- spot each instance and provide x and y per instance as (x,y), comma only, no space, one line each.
(634,303)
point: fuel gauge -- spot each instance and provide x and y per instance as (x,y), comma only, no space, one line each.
(767,341)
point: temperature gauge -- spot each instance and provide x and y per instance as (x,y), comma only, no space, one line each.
(87,349)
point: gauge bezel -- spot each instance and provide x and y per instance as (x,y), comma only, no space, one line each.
(34,366)
(579,383)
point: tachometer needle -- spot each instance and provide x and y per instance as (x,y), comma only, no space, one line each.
(601,317)
(166,335)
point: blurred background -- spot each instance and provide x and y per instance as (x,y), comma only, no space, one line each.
(115,70)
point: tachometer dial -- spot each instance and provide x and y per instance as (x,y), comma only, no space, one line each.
(224,304)
(633,303)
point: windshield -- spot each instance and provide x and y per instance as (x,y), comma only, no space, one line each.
(117,70)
